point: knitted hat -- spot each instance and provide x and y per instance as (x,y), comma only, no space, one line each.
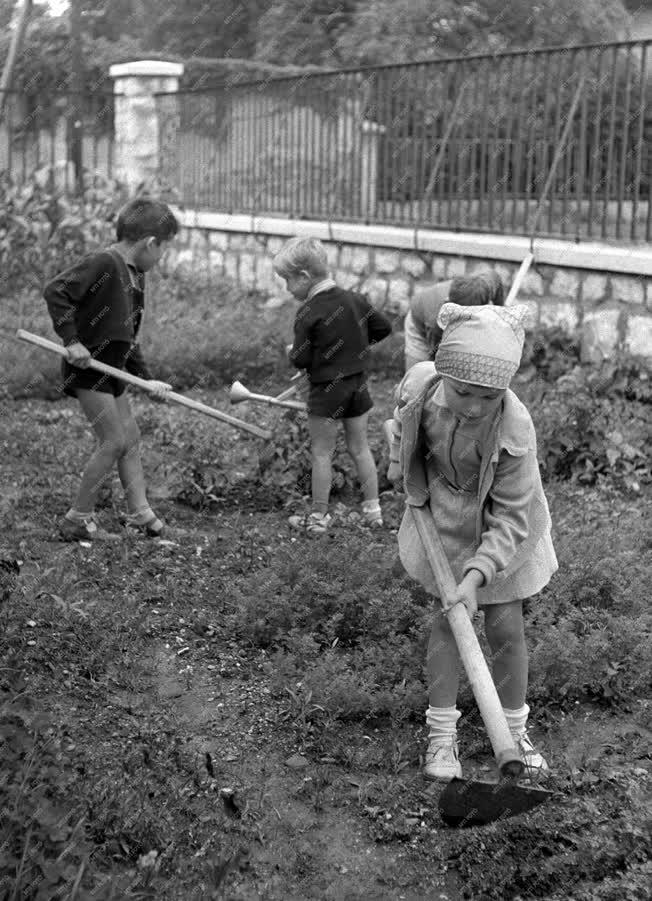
(481,345)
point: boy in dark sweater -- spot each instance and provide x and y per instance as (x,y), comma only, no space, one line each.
(96,308)
(333,331)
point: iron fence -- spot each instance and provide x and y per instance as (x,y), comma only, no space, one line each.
(462,144)
(62,137)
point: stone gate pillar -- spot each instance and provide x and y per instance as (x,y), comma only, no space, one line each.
(137,126)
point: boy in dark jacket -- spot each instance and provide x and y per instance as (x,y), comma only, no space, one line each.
(333,331)
(96,308)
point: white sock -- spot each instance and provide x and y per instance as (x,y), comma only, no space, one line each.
(140,517)
(372,506)
(443,723)
(75,515)
(517,719)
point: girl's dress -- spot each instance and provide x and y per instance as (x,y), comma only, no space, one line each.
(454,453)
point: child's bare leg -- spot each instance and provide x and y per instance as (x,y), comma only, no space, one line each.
(130,468)
(442,758)
(101,411)
(506,636)
(357,444)
(323,433)
(442,663)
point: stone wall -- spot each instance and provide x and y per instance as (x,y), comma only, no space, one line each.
(612,311)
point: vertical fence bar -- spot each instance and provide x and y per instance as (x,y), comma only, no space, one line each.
(541,162)
(610,142)
(365,139)
(324,141)
(492,144)
(414,116)
(636,187)
(596,153)
(357,145)
(350,109)
(624,139)
(484,135)
(398,183)
(270,148)
(290,160)
(325,147)
(362,171)
(531,144)
(452,151)
(511,111)
(456,162)
(567,161)
(404,173)
(389,144)
(558,128)
(275,143)
(446,165)
(430,85)
(457,151)
(217,149)
(472,143)
(444,176)
(517,155)
(582,151)
(306,140)
(279,119)
(314,168)
(259,150)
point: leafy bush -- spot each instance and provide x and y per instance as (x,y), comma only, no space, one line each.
(43,231)
(592,422)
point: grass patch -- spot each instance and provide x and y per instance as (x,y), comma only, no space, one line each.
(195,335)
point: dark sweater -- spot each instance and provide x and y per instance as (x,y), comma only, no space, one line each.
(95,302)
(333,332)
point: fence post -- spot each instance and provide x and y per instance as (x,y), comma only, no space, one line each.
(136,116)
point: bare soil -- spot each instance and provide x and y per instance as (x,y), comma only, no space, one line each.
(194,779)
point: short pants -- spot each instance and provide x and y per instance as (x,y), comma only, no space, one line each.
(343,398)
(114,354)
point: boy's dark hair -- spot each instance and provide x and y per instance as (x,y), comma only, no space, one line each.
(143,217)
(477,290)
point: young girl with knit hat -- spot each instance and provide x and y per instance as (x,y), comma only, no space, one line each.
(464,444)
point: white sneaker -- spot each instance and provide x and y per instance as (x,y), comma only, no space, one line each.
(373,519)
(442,760)
(314,523)
(535,763)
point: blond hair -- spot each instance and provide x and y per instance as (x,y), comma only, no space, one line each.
(299,254)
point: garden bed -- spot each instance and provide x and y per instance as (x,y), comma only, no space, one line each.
(239,713)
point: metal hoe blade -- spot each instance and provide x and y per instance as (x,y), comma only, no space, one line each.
(467,802)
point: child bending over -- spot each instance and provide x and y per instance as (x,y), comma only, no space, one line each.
(96,308)
(333,331)
(465,445)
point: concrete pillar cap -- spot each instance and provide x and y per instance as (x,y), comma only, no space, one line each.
(147,68)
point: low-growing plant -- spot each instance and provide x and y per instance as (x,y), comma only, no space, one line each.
(43,230)
(592,422)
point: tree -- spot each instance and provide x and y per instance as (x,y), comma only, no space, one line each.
(304,32)
(206,29)
(370,32)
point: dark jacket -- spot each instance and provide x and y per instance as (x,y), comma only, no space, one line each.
(95,302)
(333,332)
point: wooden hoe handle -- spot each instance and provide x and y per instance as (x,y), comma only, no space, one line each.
(143,383)
(507,757)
